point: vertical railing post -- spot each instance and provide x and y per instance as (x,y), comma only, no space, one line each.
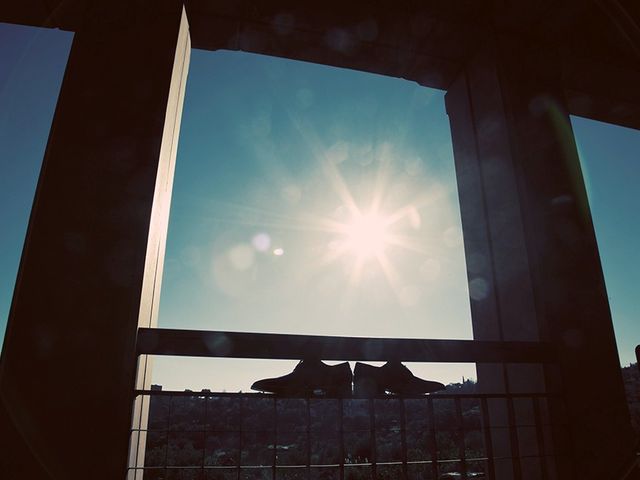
(275,438)
(432,438)
(513,437)
(166,447)
(308,402)
(403,438)
(204,433)
(540,438)
(341,433)
(240,437)
(460,437)
(488,441)
(372,425)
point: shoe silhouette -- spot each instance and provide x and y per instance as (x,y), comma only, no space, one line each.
(309,378)
(392,377)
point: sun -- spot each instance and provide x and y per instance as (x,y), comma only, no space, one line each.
(366,235)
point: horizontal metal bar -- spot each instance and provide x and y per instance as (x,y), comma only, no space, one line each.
(198,343)
(326,465)
(440,396)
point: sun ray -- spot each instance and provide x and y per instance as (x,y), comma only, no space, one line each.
(383,175)
(333,254)
(407,243)
(340,187)
(390,273)
(329,168)
(370,238)
(401,214)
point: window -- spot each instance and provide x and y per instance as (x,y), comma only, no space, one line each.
(33,62)
(313,200)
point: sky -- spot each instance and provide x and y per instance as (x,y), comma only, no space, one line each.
(275,164)
(285,171)
(610,158)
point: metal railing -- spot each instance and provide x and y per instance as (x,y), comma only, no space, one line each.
(206,435)
(245,436)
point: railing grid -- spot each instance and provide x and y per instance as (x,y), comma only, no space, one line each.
(206,436)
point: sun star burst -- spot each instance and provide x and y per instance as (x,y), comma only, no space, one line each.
(366,236)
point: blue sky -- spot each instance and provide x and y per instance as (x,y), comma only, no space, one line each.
(610,158)
(277,162)
(275,154)
(276,151)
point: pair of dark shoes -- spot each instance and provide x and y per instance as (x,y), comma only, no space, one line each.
(313,377)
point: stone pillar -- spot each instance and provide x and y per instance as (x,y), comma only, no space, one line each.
(533,265)
(92,263)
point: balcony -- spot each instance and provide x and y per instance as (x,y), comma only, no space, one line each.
(457,434)
(205,435)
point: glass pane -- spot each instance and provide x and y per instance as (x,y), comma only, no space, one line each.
(498,413)
(159,412)
(185,474)
(256,474)
(357,473)
(325,415)
(445,414)
(388,446)
(450,470)
(292,449)
(258,414)
(257,448)
(389,472)
(223,413)
(418,446)
(477,470)
(357,447)
(154,474)
(523,411)
(325,473)
(156,450)
(221,474)
(416,412)
(448,448)
(187,413)
(420,472)
(501,440)
(356,415)
(292,415)
(325,449)
(185,449)
(528,441)
(292,473)
(474,444)
(387,413)
(471,414)
(222,448)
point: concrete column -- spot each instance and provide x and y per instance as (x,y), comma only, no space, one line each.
(92,262)
(533,265)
